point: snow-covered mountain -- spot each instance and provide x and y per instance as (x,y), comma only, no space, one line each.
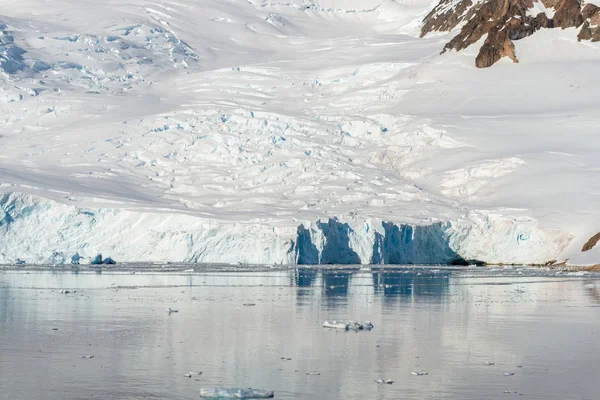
(295,132)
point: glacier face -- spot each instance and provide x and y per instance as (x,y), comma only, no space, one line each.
(268,132)
(64,233)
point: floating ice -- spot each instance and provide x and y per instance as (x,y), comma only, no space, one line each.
(388,381)
(349,325)
(420,373)
(232,393)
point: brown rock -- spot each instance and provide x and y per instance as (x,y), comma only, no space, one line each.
(445,16)
(496,46)
(505,21)
(589,11)
(568,14)
(591,25)
(592,242)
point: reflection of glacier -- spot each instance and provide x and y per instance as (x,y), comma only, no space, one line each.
(411,284)
(392,284)
(62,231)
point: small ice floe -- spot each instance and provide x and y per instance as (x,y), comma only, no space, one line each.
(489,363)
(87,357)
(188,375)
(349,325)
(249,304)
(420,373)
(66,291)
(313,373)
(388,381)
(509,373)
(189,270)
(233,393)
(172,310)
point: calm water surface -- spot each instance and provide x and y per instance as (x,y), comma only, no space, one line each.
(543,328)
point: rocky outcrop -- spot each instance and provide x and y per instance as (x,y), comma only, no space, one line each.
(504,21)
(591,23)
(591,243)
(568,14)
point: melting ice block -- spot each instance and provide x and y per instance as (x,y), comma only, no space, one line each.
(349,325)
(233,393)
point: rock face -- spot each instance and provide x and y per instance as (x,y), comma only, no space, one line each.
(504,21)
(591,23)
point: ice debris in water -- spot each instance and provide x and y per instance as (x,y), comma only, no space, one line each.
(349,325)
(388,381)
(489,363)
(108,261)
(509,373)
(172,310)
(188,375)
(421,373)
(313,373)
(232,393)
(87,357)
(66,291)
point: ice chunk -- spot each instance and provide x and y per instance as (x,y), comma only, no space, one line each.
(97,260)
(109,261)
(420,373)
(233,393)
(349,325)
(388,381)
(172,310)
(75,259)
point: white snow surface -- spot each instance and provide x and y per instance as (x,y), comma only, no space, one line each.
(288,132)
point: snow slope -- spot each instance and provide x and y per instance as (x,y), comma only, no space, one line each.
(288,132)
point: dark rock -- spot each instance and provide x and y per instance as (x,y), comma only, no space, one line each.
(445,16)
(504,21)
(591,25)
(568,14)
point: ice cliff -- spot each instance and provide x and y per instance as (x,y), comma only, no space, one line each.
(37,230)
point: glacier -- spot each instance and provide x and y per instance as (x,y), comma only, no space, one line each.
(265,132)
(64,233)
